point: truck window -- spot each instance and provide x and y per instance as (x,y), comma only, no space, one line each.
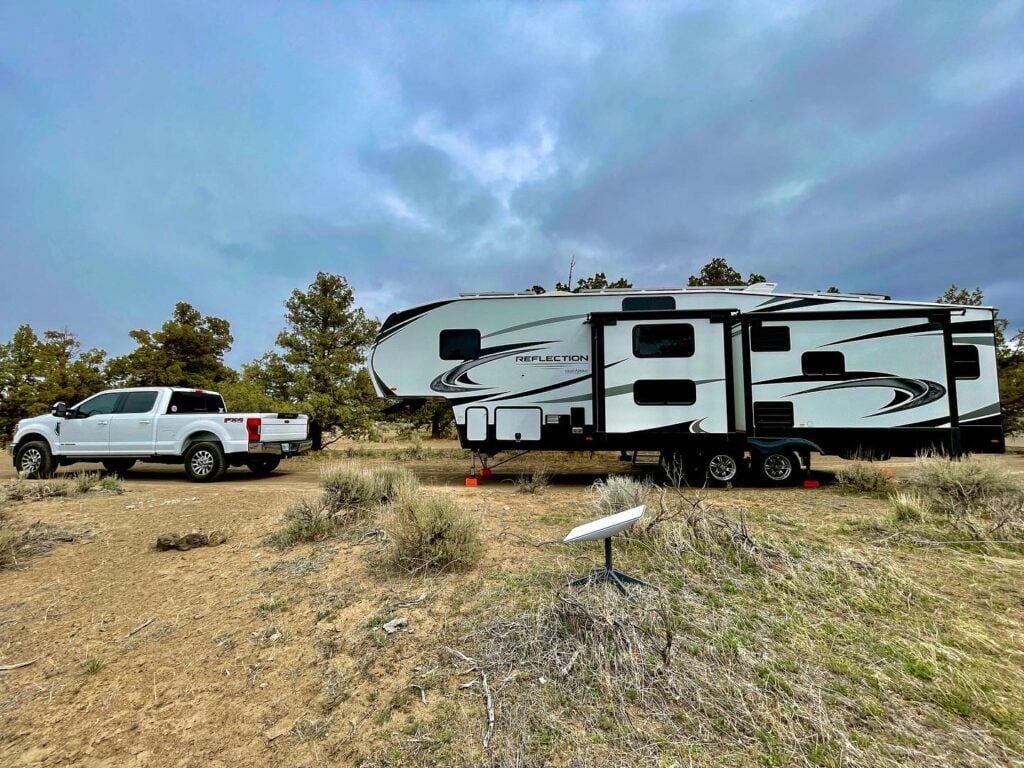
(137,402)
(195,402)
(460,344)
(99,405)
(675,340)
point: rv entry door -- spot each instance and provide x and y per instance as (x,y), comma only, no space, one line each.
(667,375)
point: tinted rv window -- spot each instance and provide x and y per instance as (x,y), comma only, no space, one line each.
(460,344)
(664,392)
(138,402)
(640,303)
(965,361)
(823,363)
(769,338)
(195,402)
(674,340)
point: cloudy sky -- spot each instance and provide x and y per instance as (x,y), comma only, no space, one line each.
(223,153)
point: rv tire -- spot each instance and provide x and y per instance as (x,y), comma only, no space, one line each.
(781,468)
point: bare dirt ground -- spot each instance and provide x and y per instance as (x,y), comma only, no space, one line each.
(231,669)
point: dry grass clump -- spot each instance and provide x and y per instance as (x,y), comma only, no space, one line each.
(861,477)
(17,547)
(534,483)
(34,490)
(89,481)
(976,498)
(431,533)
(363,490)
(909,506)
(618,493)
(349,496)
(306,521)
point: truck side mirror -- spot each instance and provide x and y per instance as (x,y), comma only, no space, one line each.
(59,410)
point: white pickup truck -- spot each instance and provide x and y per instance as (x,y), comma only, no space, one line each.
(167,425)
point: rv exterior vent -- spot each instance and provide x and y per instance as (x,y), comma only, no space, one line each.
(770,418)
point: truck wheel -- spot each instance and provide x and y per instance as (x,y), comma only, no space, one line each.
(779,468)
(723,468)
(118,466)
(264,465)
(204,462)
(34,460)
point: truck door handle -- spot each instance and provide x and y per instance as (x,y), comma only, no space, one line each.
(144,421)
(102,423)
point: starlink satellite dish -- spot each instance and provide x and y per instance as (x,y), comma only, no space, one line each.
(605,528)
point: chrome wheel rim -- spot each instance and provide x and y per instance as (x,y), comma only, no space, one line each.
(201,463)
(778,466)
(31,460)
(722,467)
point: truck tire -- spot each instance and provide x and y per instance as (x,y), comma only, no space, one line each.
(118,466)
(34,460)
(781,468)
(204,462)
(263,465)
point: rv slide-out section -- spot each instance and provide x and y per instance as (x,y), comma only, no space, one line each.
(742,372)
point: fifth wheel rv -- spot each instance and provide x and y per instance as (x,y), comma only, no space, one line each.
(722,378)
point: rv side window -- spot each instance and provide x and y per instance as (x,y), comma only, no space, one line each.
(664,392)
(460,344)
(642,303)
(965,361)
(769,338)
(674,340)
(823,363)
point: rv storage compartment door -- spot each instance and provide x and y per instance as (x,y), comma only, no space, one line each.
(665,375)
(476,424)
(521,424)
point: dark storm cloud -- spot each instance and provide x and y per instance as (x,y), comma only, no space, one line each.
(224,154)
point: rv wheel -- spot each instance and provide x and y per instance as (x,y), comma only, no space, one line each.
(780,468)
(723,468)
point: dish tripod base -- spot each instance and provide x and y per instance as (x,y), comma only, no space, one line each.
(608,573)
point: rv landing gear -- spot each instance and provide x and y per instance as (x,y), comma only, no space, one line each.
(485,469)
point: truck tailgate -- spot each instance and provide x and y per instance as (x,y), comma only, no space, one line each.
(276,429)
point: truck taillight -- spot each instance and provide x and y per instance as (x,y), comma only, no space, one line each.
(307,429)
(254,427)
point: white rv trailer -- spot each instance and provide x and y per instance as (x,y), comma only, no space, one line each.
(722,376)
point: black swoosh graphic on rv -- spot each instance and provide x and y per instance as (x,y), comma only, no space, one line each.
(397,320)
(910,393)
(449,381)
(533,324)
(903,331)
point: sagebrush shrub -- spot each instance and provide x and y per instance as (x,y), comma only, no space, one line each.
(431,533)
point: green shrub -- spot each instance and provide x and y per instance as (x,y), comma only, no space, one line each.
(964,483)
(306,521)
(619,493)
(535,482)
(431,533)
(861,477)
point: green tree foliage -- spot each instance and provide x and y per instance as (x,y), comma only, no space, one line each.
(187,351)
(718,272)
(35,373)
(597,282)
(1009,357)
(318,364)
